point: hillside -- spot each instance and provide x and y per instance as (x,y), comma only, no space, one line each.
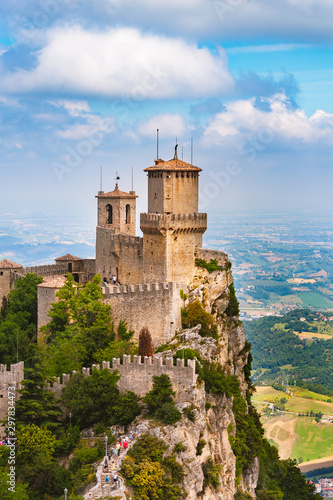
(199,440)
(295,347)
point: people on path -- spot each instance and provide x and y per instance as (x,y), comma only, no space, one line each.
(106,478)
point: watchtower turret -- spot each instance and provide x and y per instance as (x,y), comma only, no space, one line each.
(172,228)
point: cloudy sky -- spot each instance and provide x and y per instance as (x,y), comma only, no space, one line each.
(86,83)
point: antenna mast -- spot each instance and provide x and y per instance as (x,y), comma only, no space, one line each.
(157,142)
(101,179)
(191,150)
(132,180)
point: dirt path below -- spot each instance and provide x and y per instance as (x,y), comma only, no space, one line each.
(282,430)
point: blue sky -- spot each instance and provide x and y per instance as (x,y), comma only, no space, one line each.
(85,84)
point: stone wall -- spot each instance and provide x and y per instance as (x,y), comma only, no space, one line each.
(119,255)
(152,305)
(138,377)
(48,270)
(9,378)
(5,283)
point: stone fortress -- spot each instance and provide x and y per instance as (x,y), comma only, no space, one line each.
(150,270)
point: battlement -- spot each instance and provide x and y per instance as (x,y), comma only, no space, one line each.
(47,270)
(176,222)
(146,287)
(173,217)
(15,372)
(137,376)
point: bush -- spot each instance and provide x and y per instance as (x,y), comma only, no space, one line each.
(151,475)
(179,448)
(210,266)
(233,306)
(200,446)
(159,401)
(189,413)
(211,474)
(194,314)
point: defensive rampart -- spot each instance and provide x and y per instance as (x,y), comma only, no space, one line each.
(153,305)
(137,376)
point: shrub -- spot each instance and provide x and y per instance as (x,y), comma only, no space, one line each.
(210,266)
(159,401)
(194,314)
(179,448)
(233,306)
(151,475)
(200,446)
(189,413)
(211,474)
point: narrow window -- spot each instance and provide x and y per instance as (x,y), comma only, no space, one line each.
(109,214)
(127,214)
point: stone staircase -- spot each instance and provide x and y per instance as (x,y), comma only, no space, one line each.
(103,489)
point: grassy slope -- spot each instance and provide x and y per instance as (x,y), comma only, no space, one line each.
(312,440)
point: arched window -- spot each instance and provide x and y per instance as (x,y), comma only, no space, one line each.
(127,214)
(109,214)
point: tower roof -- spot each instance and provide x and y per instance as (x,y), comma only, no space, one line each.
(116,193)
(174,164)
(7,264)
(67,258)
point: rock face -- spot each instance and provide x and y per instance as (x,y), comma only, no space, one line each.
(214,419)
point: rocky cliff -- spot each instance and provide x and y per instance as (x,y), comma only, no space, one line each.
(208,428)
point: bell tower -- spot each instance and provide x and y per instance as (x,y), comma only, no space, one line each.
(117,210)
(173,227)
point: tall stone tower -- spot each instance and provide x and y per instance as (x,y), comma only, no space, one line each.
(172,228)
(118,251)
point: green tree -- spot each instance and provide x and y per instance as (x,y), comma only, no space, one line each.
(36,464)
(80,326)
(37,405)
(194,314)
(159,400)
(19,492)
(18,321)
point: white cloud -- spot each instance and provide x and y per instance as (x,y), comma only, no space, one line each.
(283,20)
(243,119)
(279,47)
(74,108)
(168,124)
(121,62)
(95,125)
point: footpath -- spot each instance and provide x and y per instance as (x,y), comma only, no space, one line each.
(103,489)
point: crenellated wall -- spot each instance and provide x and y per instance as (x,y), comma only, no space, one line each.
(137,376)
(156,306)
